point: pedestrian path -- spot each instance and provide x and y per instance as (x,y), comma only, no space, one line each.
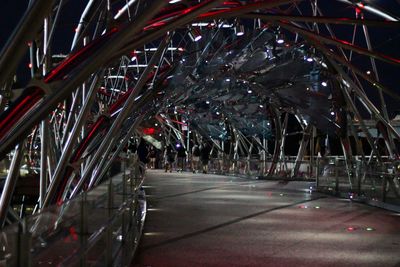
(213,220)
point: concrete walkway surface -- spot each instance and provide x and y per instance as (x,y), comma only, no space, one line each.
(213,220)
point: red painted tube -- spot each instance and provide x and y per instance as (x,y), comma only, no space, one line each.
(19,108)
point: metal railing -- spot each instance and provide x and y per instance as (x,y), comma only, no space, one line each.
(379,183)
(364,180)
(255,167)
(101,227)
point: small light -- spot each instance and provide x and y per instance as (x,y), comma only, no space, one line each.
(370,229)
(317,207)
(325,84)
(249,91)
(155,124)
(268,123)
(309,59)
(333,113)
(194,35)
(350,229)
(280,38)
(368,72)
(281,195)
(217,113)
(207,102)
(261,106)
(174,1)
(181,49)
(30,65)
(227,79)
(239,30)
(308,88)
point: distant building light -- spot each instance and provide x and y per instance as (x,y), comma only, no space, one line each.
(325,84)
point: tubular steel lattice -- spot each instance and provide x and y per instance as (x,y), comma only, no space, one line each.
(249,77)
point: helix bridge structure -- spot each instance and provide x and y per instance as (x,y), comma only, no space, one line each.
(286,89)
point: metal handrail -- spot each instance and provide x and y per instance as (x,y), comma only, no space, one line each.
(74,230)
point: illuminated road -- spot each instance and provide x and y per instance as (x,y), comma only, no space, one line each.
(210,220)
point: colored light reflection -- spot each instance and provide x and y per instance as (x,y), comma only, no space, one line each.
(351,229)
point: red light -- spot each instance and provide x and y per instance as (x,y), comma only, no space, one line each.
(149,131)
(30,65)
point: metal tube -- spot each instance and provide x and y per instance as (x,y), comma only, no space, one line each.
(43,161)
(340,43)
(68,147)
(11,182)
(81,23)
(324,19)
(118,150)
(127,108)
(302,150)
(63,88)
(26,30)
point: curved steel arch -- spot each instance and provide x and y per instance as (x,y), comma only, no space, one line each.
(78,103)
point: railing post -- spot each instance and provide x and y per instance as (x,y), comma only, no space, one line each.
(24,245)
(336,176)
(110,207)
(83,233)
(317,173)
(384,186)
(359,167)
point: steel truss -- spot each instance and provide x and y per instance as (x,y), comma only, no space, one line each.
(131,61)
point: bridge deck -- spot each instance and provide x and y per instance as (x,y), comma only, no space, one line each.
(210,220)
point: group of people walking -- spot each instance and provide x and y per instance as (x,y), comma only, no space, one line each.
(199,156)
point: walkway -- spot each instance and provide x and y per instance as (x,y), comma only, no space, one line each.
(209,220)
